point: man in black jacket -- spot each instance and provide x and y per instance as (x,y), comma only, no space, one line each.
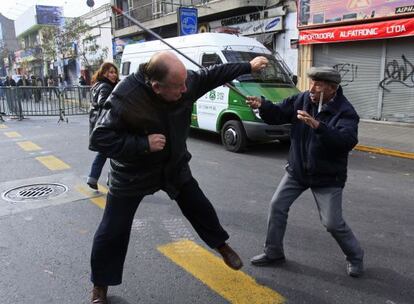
(144,131)
(324,130)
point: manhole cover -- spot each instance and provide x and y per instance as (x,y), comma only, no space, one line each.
(34,192)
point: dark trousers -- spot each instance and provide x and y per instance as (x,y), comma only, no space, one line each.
(111,240)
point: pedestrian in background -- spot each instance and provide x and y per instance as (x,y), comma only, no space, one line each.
(2,105)
(82,82)
(37,84)
(9,82)
(51,84)
(61,83)
(103,81)
(19,91)
(1,90)
(26,91)
(144,132)
(324,131)
(13,101)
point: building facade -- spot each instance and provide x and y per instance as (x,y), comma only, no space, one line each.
(29,58)
(271,22)
(8,44)
(97,44)
(371,43)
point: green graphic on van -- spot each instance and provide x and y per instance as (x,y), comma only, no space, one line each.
(212,95)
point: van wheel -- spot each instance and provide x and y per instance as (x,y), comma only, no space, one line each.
(233,136)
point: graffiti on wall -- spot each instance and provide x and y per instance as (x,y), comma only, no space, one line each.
(348,72)
(396,71)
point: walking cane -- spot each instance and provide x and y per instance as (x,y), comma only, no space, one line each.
(139,24)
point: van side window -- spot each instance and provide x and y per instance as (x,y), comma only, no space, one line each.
(210,59)
(125,68)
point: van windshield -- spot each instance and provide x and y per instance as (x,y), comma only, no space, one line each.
(273,73)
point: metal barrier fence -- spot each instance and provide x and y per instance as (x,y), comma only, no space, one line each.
(19,102)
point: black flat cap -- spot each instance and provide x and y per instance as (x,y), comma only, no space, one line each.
(324,73)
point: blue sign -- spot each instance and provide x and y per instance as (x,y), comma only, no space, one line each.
(272,23)
(49,15)
(187,21)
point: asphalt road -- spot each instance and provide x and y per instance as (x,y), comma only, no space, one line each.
(45,244)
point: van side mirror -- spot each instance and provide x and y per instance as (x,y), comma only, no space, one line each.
(295,79)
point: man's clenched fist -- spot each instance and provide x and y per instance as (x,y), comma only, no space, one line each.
(156,142)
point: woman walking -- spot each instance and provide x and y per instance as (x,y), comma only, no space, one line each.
(103,81)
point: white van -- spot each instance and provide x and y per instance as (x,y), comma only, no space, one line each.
(222,110)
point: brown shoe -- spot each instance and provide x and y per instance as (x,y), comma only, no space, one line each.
(99,295)
(230,257)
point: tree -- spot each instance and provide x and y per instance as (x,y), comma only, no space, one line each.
(71,40)
(61,42)
(92,54)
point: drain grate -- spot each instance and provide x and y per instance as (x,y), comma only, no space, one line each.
(34,192)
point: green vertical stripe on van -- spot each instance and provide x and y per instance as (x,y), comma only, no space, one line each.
(194,121)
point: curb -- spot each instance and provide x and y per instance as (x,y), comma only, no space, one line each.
(384,151)
(389,123)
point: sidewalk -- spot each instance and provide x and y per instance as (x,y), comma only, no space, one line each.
(386,138)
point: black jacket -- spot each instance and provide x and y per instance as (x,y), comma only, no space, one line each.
(135,112)
(9,83)
(100,91)
(317,157)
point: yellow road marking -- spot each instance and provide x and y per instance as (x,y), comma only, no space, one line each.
(29,146)
(3,126)
(53,163)
(12,134)
(234,286)
(99,201)
(383,151)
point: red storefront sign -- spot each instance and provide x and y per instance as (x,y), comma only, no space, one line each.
(376,30)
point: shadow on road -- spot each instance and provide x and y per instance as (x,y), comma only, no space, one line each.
(391,284)
(376,281)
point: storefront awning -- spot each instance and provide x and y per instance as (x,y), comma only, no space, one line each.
(376,30)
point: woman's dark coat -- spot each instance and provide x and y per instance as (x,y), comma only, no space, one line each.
(100,91)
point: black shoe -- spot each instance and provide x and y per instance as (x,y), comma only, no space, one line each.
(230,257)
(264,260)
(355,270)
(93,186)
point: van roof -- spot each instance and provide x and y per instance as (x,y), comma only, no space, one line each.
(202,39)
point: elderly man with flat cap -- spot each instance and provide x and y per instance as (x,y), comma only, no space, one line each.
(324,130)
